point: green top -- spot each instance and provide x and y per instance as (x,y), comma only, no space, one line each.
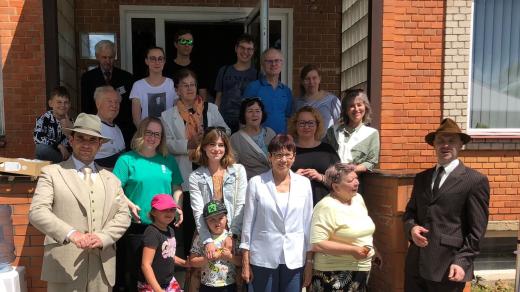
(144,177)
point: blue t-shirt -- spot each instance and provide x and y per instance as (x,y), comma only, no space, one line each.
(277,102)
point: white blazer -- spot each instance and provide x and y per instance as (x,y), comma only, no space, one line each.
(175,131)
(266,232)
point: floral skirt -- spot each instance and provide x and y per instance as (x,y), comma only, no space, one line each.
(345,281)
(172,287)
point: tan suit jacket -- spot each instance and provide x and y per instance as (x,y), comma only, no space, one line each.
(60,204)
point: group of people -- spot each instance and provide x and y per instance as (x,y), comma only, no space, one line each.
(258,188)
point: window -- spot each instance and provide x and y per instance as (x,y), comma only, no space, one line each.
(494,103)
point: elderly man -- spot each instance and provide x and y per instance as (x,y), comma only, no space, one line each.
(446,217)
(107,74)
(83,211)
(276,96)
(107,104)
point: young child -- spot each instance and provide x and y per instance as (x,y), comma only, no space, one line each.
(159,246)
(51,142)
(217,275)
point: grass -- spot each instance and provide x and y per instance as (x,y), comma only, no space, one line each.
(479,285)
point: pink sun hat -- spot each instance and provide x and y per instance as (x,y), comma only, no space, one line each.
(163,202)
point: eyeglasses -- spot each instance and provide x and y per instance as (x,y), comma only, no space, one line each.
(148,133)
(309,124)
(185,42)
(188,85)
(280,156)
(273,61)
(156,59)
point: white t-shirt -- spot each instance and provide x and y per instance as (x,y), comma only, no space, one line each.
(154,99)
(114,146)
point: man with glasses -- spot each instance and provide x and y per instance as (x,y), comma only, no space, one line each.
(275,95)
(184,45)
(107,74)
(232,81)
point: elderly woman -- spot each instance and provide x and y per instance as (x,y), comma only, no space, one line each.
(341,234)
(145,171)
(184,126)
(275,231)
(355,141)
(327,103)
(250,142)
(313,157)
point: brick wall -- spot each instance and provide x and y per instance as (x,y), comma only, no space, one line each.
(21,38)
(28,241)
(425,78)
(314,40)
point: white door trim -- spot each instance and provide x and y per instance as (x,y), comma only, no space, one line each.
(161,14)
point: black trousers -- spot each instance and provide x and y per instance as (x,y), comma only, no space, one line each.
(129,254)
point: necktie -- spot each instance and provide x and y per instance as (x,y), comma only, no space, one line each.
(436,183)
(108,75)
(87,175)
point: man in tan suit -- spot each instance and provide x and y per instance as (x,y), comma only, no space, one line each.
(82,210)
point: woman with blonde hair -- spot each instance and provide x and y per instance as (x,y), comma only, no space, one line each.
(144,171)
(313,156)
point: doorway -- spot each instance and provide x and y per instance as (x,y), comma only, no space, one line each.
(214,24)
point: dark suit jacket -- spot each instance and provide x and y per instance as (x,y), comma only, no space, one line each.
(456,218)
(122,82)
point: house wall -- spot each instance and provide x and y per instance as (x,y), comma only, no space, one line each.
(21,38)
(425,79)
(316,30)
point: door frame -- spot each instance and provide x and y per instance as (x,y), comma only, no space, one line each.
(161,14)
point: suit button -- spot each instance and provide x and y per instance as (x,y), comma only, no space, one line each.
(93,229)
(92,201)
(93,220)
(92,211)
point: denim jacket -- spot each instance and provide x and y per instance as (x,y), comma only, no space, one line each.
(234,193)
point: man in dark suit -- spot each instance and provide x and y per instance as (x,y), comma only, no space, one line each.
(446,217)
(107,74)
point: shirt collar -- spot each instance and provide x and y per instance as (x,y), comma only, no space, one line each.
(264,82)
(448,168)
(78,165)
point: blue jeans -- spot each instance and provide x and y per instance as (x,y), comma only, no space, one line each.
(281,279)
(47,152)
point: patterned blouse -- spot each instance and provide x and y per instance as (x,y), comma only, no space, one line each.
(48,131)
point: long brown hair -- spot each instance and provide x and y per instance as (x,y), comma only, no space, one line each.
(211,136)
(138,139)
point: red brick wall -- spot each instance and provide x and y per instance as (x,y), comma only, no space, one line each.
(411,102)
(21,32)
(316,33)
(28,241)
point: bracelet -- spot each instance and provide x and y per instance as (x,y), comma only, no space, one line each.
(322,178)
(310,261)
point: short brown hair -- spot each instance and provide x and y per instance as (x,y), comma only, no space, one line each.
(138,139)
(210,136)
(292,126)
(281,142)
(60,91)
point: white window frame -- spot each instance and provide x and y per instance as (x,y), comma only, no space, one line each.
(491,132)
(161,14)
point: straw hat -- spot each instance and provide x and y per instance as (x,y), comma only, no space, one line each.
(88,124)
(447,126)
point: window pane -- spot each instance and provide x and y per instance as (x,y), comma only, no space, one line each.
(495,86)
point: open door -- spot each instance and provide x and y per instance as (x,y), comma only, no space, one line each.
(257,24)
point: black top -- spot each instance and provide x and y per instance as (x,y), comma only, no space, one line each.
(171,68)
(318,158)
(163,262)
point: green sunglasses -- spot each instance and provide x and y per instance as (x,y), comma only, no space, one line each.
(185,42)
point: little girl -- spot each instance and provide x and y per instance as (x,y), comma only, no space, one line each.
(159,249)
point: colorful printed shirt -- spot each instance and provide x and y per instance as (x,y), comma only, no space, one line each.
(48,131)
(216,273)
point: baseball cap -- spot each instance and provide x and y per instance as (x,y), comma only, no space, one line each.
(213,208)
(163,202)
